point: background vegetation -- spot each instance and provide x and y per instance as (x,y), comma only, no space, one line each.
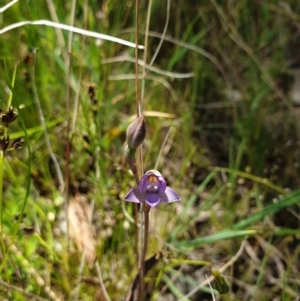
(222,111)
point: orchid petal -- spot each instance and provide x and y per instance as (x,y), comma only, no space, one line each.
(153,189)
(163,197)
(153,172)
(134,195)
(143,183)
(163,184)
(152,198)
(172,195)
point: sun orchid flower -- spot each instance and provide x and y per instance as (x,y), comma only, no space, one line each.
(153,190)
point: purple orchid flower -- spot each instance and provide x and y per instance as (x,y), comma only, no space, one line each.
(153,190)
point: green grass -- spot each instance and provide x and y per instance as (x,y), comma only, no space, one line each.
(232,151)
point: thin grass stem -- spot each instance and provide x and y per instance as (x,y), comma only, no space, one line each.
(160,80)
(34,273)
(101,281)
(97,266)
(87,33)
(2,161)
(8,5)
(192,47)
(162,147)
(222,269)
(1,202)
(136,53)
(145,51)
(12,84)
(46,136)
(142,63)
(162,36)
(68,142)
(11,287)
(83,256)
(211,289)
(28,177)
(60,37)
(256,179)
(76,101)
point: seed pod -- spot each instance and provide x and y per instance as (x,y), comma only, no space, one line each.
(9,116)
(17,144)
(4,142)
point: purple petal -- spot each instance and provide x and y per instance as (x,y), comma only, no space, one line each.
(143,183)
(153,172)
(170,195)
(152,199)
(162,184)
(163,197)
(134,195)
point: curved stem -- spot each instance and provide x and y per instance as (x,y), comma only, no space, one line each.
(105,294)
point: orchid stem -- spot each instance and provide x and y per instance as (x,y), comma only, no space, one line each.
(146,230)
(136,172)
(141,266)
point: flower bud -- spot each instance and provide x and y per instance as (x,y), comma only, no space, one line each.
(130,158)
(222,284)
(130,153)
(136,133)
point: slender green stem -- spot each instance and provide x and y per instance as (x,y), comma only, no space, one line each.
(138,112)
(12,84)
(104,292)
(58,171)
(1,200)
(28,176)
(162,36)
(68,118)
(145,51)
(2,162)
(256,179)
